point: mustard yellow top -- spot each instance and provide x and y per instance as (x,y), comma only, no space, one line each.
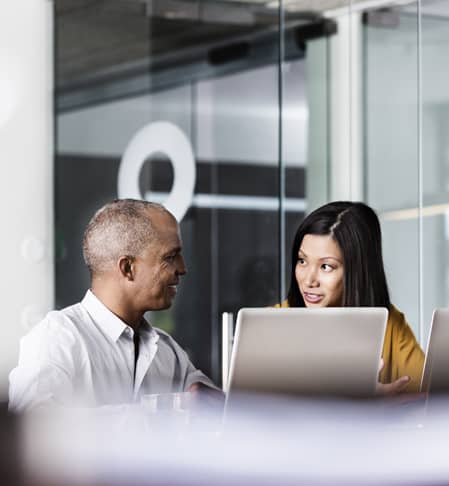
(401,352)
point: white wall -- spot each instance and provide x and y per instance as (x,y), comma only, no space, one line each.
(26,181)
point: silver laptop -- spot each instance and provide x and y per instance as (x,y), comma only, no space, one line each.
(436,367)
(327,351)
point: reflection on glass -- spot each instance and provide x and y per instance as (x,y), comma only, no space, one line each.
(390,70)
(435,150)
(210,68)
(286,106)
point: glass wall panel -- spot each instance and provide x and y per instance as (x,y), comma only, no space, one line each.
(391,146)
(435,154)
(308,98)
(237,144)
(286,105)
(210,69)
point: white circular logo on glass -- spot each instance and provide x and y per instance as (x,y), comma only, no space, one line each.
(168,139)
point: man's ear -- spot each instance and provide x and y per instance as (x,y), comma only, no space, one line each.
(126,267)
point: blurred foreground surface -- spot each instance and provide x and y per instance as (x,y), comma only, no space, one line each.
(262,441)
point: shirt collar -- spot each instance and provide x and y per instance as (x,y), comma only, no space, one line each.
(107,321)
(147,332)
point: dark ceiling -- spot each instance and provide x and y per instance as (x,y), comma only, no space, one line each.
(105,37)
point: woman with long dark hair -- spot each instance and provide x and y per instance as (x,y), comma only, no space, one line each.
(337,261)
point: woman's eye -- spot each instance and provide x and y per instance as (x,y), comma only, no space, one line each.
(301,261)
(326,267)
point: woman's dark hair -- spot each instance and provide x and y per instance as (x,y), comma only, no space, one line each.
(356,229)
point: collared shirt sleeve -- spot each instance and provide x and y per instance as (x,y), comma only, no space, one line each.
(45,374)
(194,375)
(189,374)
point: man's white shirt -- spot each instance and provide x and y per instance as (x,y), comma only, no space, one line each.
(84,355)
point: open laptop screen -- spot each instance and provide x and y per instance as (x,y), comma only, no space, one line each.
(436,367)
(327,351)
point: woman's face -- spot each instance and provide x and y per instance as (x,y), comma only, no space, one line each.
(319,271)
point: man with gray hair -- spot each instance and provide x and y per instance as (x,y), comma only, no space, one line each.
(102,351)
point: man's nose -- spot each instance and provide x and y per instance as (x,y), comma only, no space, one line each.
(181,267)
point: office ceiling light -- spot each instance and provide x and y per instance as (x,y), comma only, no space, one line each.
(215,12)
(413,213)
(257,2)
(334,6)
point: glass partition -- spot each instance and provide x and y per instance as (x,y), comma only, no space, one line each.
(243,82)
(406,96)
(285,106)
(211,70)
(435,153)
(391,146)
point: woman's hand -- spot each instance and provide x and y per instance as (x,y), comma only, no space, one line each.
(391,389)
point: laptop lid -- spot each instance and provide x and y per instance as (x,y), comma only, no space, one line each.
(326,351)
(435,377)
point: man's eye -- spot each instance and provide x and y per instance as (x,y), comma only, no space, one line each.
(301,261)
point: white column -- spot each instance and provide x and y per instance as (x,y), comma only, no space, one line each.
(334,92)
(346,121)
(317,82)
(26,171)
